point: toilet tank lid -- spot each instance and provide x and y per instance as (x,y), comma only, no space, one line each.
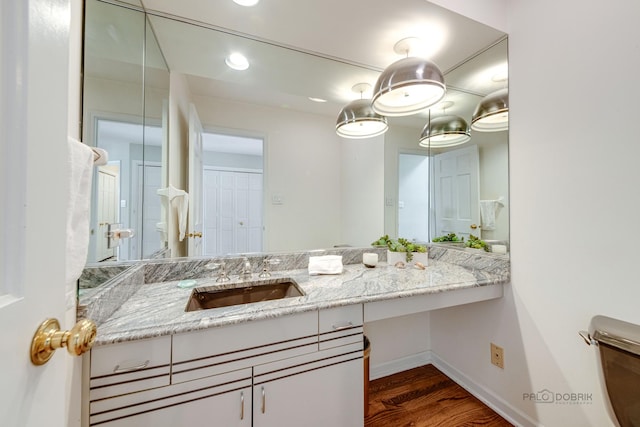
(616,333)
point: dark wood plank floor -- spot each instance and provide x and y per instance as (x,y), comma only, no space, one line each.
(425,397)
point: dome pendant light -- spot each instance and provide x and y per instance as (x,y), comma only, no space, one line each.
(445,131)
(358,120)
(409,85)
(492,112)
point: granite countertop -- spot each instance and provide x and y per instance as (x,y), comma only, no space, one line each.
(157,309)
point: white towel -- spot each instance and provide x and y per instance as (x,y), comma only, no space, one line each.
(173,197)
(80,174)
(325,264)
(488,214)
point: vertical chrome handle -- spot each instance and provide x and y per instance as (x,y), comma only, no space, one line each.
(264,400)
(242,405)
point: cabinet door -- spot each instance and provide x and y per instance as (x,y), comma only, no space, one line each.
(330,396)
(231,409)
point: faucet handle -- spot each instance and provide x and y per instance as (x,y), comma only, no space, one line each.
(265,266)
(222,266)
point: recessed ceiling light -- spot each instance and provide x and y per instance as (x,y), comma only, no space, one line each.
(237,61)
(317,99)
(246,2)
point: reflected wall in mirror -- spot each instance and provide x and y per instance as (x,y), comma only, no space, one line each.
(125,108)
(319,190)
(467,185)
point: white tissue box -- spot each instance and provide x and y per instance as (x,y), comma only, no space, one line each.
(325,264)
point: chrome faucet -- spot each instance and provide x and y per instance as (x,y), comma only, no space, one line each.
(222,274)
(265,267)
(246,269)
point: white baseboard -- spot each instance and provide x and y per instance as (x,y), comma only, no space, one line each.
(493,401)
(399,365)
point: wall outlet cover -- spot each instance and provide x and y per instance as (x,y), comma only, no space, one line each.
(497,356)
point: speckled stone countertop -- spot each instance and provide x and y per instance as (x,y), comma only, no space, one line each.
(158,308)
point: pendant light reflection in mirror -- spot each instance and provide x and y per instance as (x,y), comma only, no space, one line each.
(409,85)
(358,120)
(492,112)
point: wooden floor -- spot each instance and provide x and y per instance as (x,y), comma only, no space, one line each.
(425,397)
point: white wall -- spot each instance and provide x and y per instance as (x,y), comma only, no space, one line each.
(573,66)
(362,190)
(302,165)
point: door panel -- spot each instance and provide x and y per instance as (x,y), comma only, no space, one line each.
(457,192)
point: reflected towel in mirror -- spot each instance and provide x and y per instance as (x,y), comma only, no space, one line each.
(80,174)
(174,197)
(488,210)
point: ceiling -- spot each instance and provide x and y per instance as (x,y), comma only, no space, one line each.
(288,43)
(301,49)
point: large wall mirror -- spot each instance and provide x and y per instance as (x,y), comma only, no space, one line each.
(268,148)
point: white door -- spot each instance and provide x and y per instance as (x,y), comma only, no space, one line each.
(457,192)
(106,210)
(33,185)
(146,240)
(194,224)
(232,212)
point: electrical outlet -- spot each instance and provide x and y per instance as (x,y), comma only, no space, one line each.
(497,356)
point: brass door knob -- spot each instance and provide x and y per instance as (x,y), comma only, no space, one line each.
(48,338)
(473,226)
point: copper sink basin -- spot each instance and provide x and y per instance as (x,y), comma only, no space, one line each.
(244,293)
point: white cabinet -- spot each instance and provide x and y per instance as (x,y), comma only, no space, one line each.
(303,369)
(320,393)
(208,412)
(231,409)
(223,400)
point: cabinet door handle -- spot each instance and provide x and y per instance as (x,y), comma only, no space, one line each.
(242,405)
(264,400)
(118,369)
(345,325)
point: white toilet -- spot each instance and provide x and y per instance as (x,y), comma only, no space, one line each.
(619,347)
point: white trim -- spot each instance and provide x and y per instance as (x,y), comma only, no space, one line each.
(399,365)
(232,169)
(486,396)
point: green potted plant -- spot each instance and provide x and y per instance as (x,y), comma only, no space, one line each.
(450,238)
(402,250)
(475,242)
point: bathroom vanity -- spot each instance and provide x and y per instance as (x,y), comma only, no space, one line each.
(288,361)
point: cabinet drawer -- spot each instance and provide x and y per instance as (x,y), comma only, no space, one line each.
(228,339)
(213,351)
(333,319)
(340,326)
(131,366)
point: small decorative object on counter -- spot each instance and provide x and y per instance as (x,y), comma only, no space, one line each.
(402,250)
(447,238)
(369,259)
(475,243)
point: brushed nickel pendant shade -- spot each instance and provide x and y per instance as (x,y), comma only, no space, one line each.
(445,131)
(492,112)
(407,86)
(358,120)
